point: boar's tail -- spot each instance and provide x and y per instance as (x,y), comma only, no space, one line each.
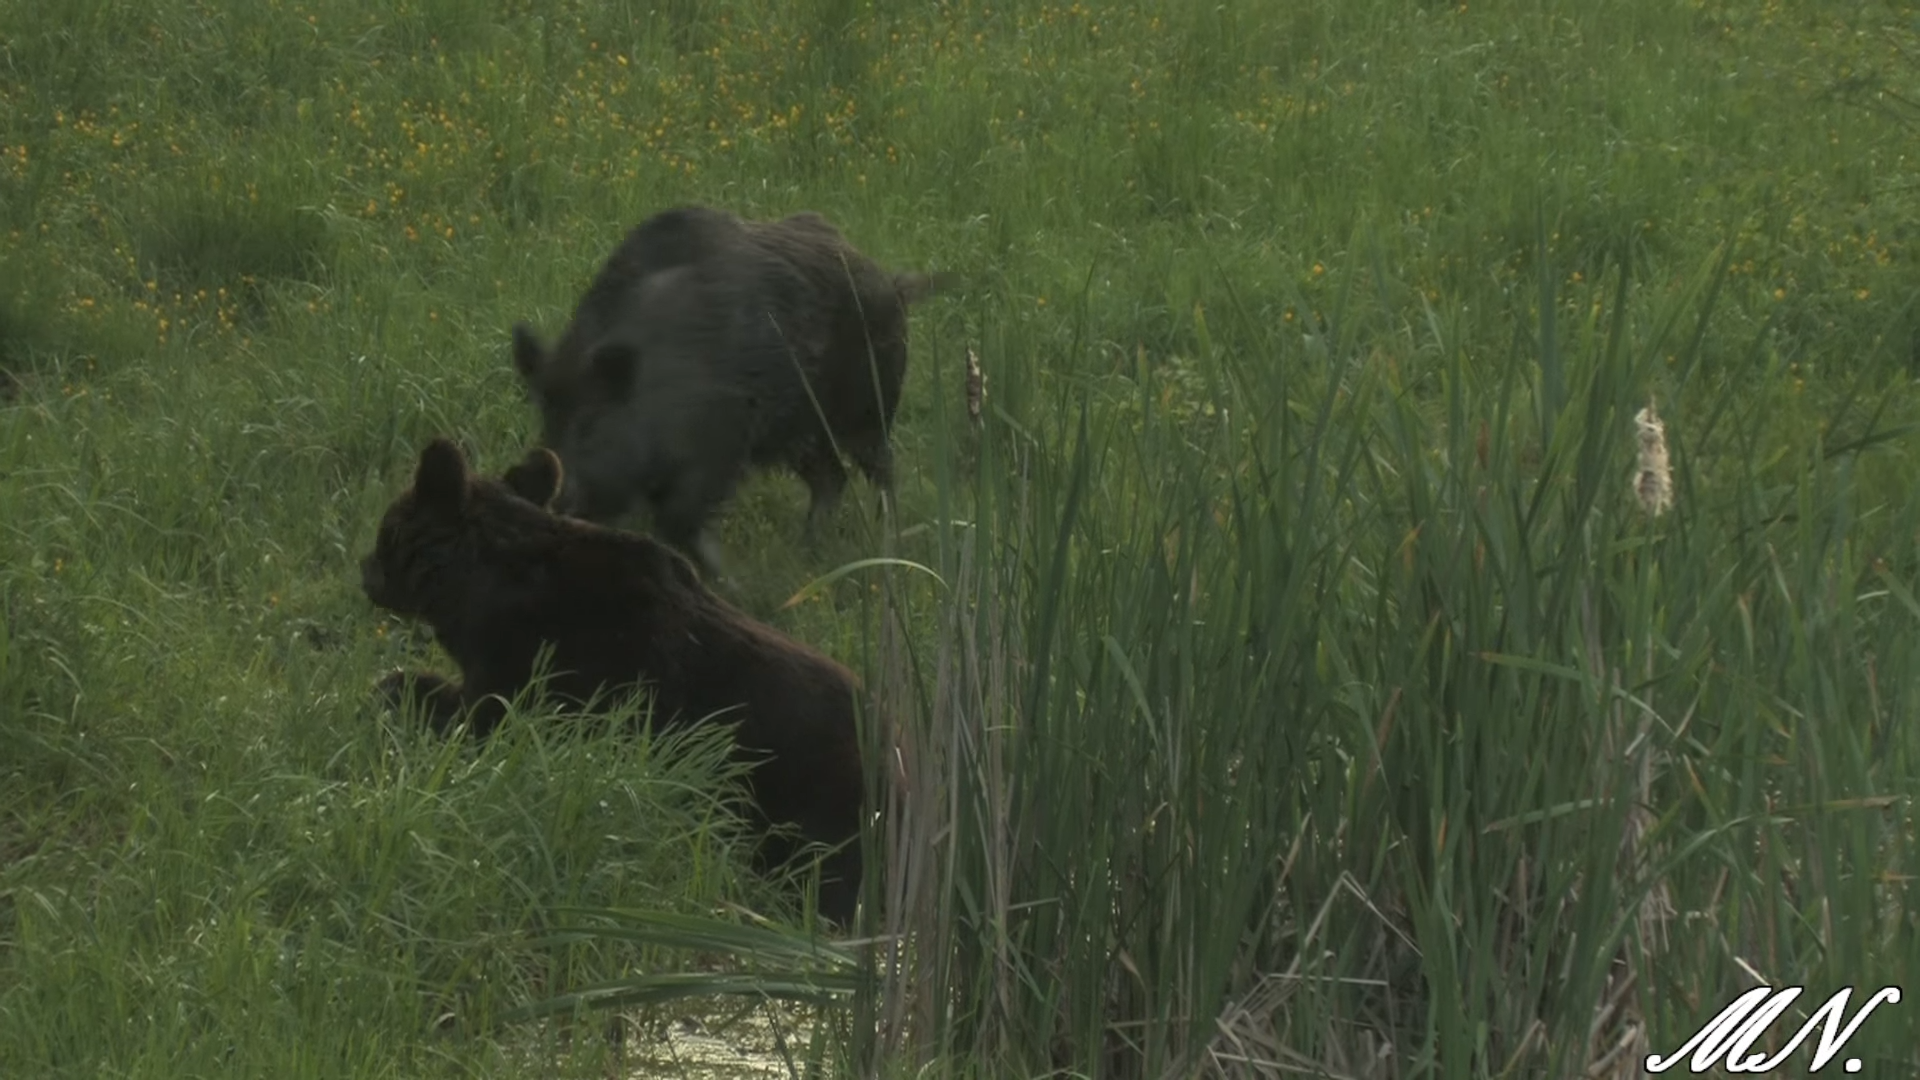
(916,287)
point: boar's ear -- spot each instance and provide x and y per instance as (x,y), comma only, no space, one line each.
(537,477)
(441,479)
(529,356)
(614,364)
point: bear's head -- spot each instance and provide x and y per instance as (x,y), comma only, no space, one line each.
(434,531)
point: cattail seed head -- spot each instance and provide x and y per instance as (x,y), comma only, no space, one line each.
(976,386)
(1653,480)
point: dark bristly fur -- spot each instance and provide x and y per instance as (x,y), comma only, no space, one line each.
(498,576)
(708,345)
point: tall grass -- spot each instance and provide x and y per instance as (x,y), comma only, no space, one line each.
(1299,685)
(1374,741)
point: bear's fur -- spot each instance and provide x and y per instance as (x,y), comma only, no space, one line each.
(498,576)
(708,345)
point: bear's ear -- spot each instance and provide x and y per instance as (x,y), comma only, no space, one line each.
(529,355)
(614,364)
(537,478)
(441,479)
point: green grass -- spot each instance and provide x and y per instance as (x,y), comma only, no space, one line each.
(1301,678)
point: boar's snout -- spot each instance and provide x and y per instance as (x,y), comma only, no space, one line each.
(373,580)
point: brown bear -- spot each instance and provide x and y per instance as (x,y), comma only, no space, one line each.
(498,576)
(708,345)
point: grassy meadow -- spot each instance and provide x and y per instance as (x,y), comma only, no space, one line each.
(1290,680)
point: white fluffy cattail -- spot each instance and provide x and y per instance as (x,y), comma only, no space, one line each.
(1653,481)
(976,387)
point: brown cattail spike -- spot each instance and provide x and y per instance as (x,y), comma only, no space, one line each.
(976,387)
